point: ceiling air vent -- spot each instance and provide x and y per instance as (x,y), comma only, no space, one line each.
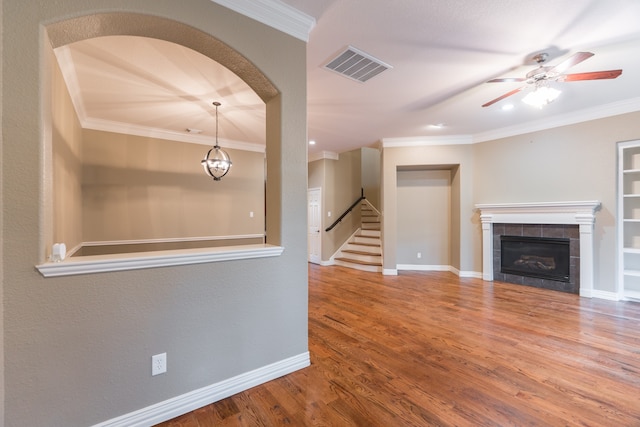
(357,65)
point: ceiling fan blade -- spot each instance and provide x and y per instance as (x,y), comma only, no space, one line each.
(508,79)
(594,75)
(513,92)
(570,62)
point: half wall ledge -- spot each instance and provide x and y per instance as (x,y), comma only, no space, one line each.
(574,213)
(140,260)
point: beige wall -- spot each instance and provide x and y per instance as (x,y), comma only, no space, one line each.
(77,349)
(465,229)
(424,219)
(137,188)
(66,151)
(340,181)
(371,175)
(316,172)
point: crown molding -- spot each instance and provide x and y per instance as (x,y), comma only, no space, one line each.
(600,112)
(70,77)
(422,141)
(149,132)
(327,155)
(275,14)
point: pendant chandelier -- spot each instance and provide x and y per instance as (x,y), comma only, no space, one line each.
(216,162)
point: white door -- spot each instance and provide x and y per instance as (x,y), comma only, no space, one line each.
(314,224)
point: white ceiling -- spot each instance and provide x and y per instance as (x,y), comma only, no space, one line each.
(442,53)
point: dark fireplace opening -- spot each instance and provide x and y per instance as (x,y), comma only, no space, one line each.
(540,257)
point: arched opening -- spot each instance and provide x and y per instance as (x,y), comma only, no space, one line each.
(77,200)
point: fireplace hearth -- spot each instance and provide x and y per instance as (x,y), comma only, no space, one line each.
(540,257)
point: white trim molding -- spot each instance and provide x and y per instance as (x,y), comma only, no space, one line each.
(173,240)
(576,213)
(169,135)
(138,260)
(580,116)
(449,268)
(188,402)
(424,141)
(600,112)
(275,14)
(328,155)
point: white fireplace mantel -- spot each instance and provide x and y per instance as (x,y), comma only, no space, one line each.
(576,213)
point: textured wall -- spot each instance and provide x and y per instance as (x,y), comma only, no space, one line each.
(77,349)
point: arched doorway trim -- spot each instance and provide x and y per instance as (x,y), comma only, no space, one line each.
(132,24)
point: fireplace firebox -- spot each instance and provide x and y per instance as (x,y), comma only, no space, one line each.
(540,257)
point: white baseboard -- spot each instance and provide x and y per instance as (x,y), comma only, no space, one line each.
(468,274)
(389,272)
(179,405)
(422,267)
(611,296)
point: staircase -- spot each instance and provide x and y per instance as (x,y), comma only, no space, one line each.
(363,251)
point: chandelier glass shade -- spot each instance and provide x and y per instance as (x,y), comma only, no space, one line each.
(216,162)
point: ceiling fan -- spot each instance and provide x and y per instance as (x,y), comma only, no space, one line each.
(543,74)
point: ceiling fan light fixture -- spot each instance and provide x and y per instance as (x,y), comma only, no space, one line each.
(541,96)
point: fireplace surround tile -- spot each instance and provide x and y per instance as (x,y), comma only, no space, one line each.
(578,213)
(530,230)
(540,230)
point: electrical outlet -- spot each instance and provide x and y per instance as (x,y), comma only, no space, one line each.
(419,255)
(159,364)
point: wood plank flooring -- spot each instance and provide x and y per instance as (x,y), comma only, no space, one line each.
(430,349)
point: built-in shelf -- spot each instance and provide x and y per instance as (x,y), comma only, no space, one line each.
(628,220)
(632,295)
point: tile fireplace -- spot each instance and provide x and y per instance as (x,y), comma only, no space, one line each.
(540,255)
(561,222)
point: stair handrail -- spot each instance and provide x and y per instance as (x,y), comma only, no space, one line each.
(345,213)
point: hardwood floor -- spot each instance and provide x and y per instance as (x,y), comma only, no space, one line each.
(430,349)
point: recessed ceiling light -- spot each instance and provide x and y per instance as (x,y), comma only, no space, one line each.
(507,107)
(437,126)
(312,142)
